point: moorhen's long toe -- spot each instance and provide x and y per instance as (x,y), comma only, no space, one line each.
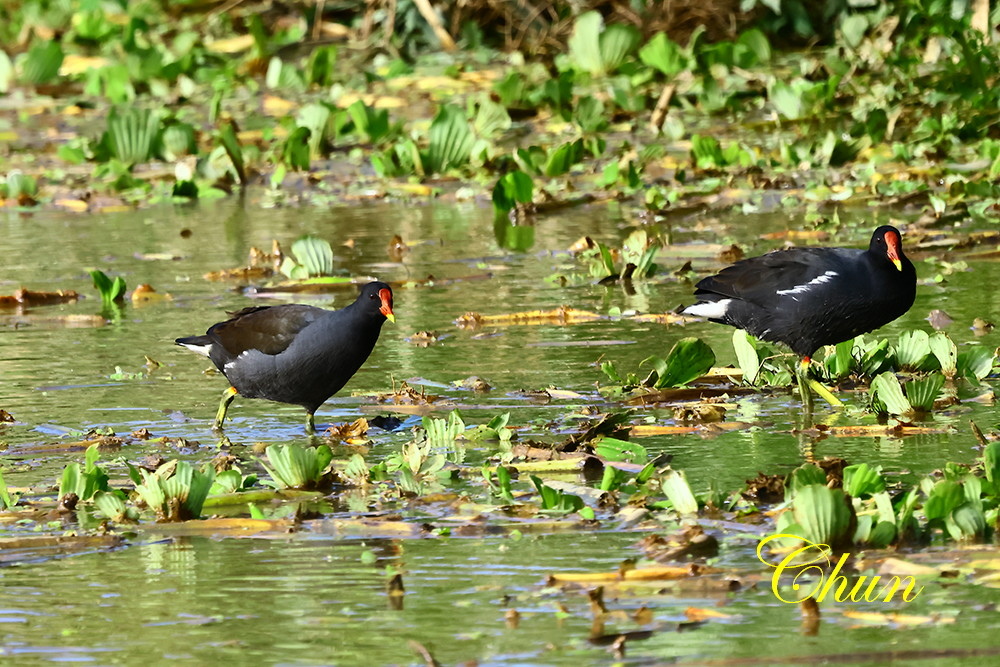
(294,353)
(810,297)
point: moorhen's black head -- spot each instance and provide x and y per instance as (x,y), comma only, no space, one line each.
(888,242)
(376,298)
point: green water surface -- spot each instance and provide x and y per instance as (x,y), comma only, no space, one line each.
(309,598)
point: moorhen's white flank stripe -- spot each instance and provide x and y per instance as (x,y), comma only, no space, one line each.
(818,280)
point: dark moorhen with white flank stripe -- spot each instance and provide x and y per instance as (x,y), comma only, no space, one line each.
(810,297)
(294,353)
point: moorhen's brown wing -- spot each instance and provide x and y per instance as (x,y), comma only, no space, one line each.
(268,329)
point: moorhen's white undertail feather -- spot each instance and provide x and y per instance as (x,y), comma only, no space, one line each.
(294,353)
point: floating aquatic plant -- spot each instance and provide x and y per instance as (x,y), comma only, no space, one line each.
(176,491)
(298,467)
(311,257)
(112,291)
(86,481)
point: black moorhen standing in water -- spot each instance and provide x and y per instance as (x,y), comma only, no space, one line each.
(810,297)
(294,353)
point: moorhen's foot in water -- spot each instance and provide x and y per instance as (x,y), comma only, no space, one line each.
(294,353)
(810,297)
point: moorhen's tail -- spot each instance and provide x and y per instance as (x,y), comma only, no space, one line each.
(200,344)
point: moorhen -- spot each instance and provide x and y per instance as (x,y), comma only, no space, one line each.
(810,297)
(294,353)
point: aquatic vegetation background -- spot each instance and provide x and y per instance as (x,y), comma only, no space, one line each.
(561,432)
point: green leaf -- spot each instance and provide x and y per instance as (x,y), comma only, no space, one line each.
(945,497)
(707,152)
(356,470)
(608,368)
(664,55)
(503,480)
(923,392)
(111,291)
(584,43)
(756,43)
(441,432)
(111,505)
(42,63)
(882,535)
(613,449)
(607,261)
(314,254)
(805,475)
(966,522)
(71,481)
(6,72)
(874,355)
(227,481)
(370,122)
(562,158)
(787,100)
(317,118)
(991,461)
(7,499)
(512,188)
(612,479)
(913,350)
(945,351)
(678,492)
(746,356)
(297,467)
(853,28)
(491,119)
(451,141)
(132,133)
(839,364)
(177,140)
(688,359)
(555,500)
(887,389)
(229,141)
(589,114)
(822,513)
(319,70)
(863,480)
(975,362)
(616,43)
(296,151)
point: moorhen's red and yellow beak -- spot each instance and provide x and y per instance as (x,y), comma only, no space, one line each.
(893,244)
(386,308)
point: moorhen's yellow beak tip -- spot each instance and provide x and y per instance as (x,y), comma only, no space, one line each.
(390,317)
(898,264)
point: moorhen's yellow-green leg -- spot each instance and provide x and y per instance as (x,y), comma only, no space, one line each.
(310,424)
(806,383)
(227,397)
(802,375)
